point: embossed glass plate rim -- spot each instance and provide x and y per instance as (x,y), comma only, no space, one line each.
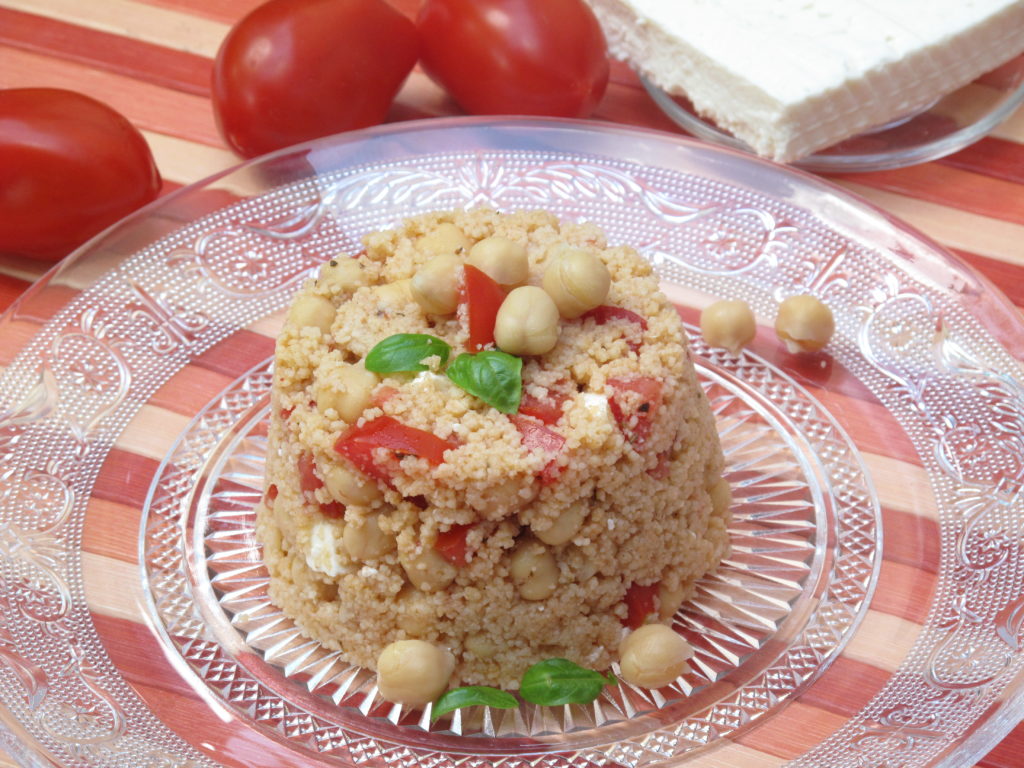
(896,240)
(904,237)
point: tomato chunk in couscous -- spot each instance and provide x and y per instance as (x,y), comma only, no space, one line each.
(543,476)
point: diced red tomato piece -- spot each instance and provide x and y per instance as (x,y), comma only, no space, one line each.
(635,415)
(383,394)
(361,455)
(606,312)
(640,603)
(451,544)
(537,437)
(483,296)
(271,493)
(308,479)
(548,410)
(334,509)
(286,412)
(357,444)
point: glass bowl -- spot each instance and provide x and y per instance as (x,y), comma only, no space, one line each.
(947,125)
(870,613)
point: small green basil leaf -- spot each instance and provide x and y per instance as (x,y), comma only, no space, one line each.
(495,377)
(405,352)
(471,696)
(559,681)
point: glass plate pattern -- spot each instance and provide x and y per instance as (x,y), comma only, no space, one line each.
(877,577)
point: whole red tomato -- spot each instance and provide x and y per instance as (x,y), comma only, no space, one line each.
(69,167)
(294,70)
(525,57)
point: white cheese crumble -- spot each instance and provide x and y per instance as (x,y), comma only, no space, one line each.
(322,555)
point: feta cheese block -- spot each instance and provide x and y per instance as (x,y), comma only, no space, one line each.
(790,77)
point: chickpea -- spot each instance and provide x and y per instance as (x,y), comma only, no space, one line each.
(653,656)
(396,294)
(565,526)
(343,274)
(728,324)
(669,601)
(721,495)
(312,311)
(364,540)
(481,646)
(435,286)
(414,613)
(348,390)
(413,672)
(804,323)
(503,260)
(577,281)
(527,322)
(534,570)
(444,238)
(427,569)
(349,486)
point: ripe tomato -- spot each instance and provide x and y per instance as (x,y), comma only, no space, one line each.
(527,57)
(537,437)
(70,167)
(294,70)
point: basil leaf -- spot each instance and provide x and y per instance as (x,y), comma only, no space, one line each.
(559,681)
(471,696)
(405,352)
(495,377)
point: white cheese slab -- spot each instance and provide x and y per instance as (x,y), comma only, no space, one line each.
(790,77)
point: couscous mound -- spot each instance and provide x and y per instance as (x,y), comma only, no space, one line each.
(400,506)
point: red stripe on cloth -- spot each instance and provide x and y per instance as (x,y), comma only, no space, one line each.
(10,289)
(1005,276)
(236,354)
(125,477)
(190,390)
(912,540)
(148,106)
(805,728)
(1007,753)
(121,55)
(963,189)
(145,664)
(904,591)
(846,686)
(991,156)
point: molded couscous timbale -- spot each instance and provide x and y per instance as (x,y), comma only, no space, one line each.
(501,525)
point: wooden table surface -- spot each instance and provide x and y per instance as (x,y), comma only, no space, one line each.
(151,60)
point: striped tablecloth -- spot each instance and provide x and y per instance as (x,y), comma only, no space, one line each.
(151,60)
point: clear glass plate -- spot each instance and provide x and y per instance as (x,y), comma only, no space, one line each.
(871,613)
(944,127)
